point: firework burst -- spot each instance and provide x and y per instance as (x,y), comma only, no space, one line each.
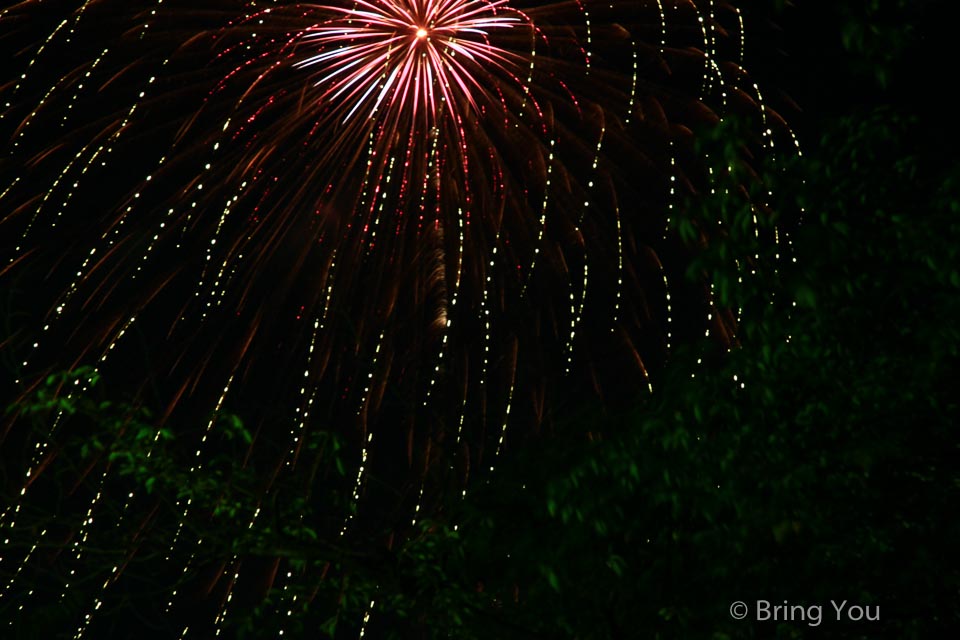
(418,220)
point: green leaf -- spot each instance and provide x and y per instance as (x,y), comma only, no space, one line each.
(329,628)
(805,296)
(616,564)
(552,579)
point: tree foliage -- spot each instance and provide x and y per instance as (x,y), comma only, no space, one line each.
(814,461)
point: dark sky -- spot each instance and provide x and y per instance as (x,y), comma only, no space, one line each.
(800,52)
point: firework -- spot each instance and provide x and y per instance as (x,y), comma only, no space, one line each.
(414,223)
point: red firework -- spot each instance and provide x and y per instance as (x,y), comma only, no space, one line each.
(413,223)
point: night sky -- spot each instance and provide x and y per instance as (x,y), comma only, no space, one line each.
(327,299)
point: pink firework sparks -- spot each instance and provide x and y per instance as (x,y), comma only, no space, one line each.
(395,55)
